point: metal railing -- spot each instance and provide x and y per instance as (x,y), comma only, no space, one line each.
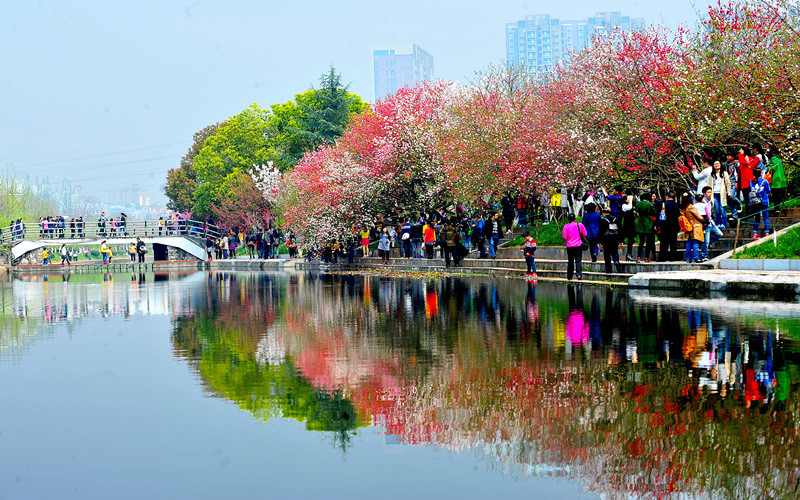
(81,230)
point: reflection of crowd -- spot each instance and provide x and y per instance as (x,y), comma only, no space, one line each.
(731,365)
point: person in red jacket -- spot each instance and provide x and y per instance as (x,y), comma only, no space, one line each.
(747,162)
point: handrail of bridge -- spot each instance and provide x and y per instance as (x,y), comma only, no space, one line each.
(94,229)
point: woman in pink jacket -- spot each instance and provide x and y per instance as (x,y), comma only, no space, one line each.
(573,233)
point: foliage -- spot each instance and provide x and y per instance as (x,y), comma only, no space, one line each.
(20,200)
(546,235)
(787,246)
(182,181)
(238,144)
(638,107)
(243,206)
(314,118)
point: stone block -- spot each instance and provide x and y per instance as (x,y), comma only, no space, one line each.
(776,265)
(750,265)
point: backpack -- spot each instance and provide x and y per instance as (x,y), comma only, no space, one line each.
(684,223)
(754,197)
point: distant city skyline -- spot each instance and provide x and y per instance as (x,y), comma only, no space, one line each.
(541,41)
(400,65)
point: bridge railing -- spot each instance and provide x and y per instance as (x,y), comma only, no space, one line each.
(93,229)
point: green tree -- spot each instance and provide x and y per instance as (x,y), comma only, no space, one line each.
(237,145)
(315,117)
(182,181)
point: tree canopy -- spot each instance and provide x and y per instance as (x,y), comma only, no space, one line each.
(212,177)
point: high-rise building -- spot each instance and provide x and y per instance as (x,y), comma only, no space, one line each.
(400,66)
(541,42)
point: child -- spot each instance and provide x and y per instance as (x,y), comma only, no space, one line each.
(45,257)
(132,251)
(528,250)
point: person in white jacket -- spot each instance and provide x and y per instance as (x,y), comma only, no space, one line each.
(703,177)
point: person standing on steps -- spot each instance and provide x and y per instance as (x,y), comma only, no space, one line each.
(529,252)
(384,246)
(609,237)
(669,229)
(645,224)
(628,226)
(494,230)
(591,220)
(450,236)
(758,201)
(573,234)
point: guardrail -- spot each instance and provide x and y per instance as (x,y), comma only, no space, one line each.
(77,230)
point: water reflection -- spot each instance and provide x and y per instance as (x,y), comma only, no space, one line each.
(635,395)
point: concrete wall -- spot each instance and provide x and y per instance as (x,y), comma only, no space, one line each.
(760,264)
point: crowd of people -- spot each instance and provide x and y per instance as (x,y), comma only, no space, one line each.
(261,243)
(625,223)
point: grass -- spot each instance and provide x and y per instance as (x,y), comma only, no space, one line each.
(546,235)
(788,247)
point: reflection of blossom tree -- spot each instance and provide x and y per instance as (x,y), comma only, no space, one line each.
(487,374)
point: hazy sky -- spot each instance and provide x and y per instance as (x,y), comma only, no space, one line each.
(109,93)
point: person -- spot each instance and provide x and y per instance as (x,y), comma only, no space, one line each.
(364,241)
(101,224)
(778,183)
(209,247)
(384,245)
(720,183)
(251,244)
(645,224)
(732,169)
(79,226)
(160,225)
(224,246)
(405,238)
(702,177)
(451,237)
(45,257)
(141,250)
(478,237)
(64,254)
(759,202)
(416,239)
(232,239)
(104,251)
(669,228)
(122,223)
(628,225)
(609,236)
(697,234)
(508,211)
(529,252)
(522,210)
(493,229)
(132,252)
(747,162)
(573,234)
(712,231)
(591,220)
(429,239)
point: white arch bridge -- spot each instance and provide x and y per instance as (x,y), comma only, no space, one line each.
(186,235)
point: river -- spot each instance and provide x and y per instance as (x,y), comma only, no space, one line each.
(323,385)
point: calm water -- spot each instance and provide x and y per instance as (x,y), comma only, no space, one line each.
(240,385)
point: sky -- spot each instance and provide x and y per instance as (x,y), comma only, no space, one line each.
(108,94)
